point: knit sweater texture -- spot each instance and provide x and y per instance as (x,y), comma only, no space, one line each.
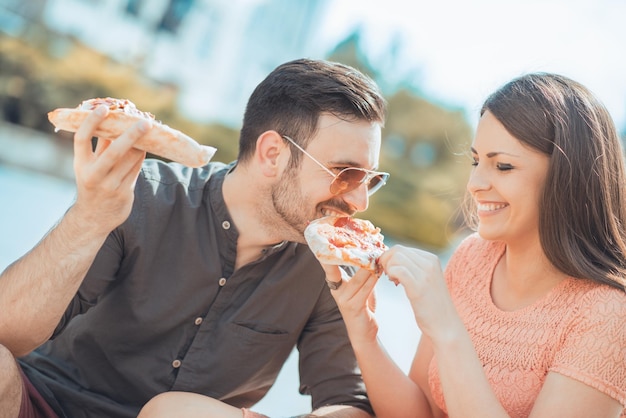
(578,330)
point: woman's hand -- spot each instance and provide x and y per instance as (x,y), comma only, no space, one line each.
(421,275)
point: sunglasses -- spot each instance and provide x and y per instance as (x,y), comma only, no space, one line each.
(349,178)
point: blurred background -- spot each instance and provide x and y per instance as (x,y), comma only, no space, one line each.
(193,63)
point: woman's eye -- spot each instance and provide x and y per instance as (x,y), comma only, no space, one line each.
(504,166)
(474,162)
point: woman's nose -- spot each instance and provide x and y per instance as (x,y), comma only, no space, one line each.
(477,181)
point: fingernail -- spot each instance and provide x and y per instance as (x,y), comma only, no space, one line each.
(100,110)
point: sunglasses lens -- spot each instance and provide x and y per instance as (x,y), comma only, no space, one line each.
(375,183)
(347,180)
(351,178)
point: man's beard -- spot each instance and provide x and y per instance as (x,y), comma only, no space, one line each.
(291,209)
(291,214)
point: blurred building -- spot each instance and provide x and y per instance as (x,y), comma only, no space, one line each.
(214,51)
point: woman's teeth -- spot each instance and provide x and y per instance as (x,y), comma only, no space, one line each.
(488,207)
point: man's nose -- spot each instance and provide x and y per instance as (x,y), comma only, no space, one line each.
(358,199)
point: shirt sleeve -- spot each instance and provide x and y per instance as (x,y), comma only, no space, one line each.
(100,275)
(104,269)
(328,367)
(594,349)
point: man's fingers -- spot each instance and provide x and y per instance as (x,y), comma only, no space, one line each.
(102,144)
(115,147)
(333,273)
(124,142)
(82,138)
(132,167)
(333,276)
(119,155)
(371,300)
(366,281)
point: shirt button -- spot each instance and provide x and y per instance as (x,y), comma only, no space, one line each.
(222,281)
(198,321)
(226,225)
(176,364)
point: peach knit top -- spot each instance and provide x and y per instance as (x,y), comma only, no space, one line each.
(577,330)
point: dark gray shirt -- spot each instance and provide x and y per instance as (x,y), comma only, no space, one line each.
(163,309)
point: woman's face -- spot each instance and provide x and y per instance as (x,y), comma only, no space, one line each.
(506,183)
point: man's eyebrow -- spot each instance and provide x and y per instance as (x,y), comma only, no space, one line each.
(350,163)
(495,153)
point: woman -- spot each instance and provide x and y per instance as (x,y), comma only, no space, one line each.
(529,318)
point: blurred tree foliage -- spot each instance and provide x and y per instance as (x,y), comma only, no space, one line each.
(51,71)
(425,151)
(423,142)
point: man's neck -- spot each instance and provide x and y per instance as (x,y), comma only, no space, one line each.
(245,201)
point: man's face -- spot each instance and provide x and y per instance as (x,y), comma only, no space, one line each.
(303,193)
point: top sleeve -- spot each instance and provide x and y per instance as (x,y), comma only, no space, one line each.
(594,349)
(459,259)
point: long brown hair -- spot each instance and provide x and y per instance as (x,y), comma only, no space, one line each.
(583,205)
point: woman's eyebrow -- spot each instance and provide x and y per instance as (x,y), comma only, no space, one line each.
(494,153)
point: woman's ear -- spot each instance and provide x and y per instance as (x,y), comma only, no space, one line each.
(271,153)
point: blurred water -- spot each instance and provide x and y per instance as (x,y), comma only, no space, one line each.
(31,203)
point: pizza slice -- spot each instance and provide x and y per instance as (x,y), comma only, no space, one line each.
(344,240)
(161,140)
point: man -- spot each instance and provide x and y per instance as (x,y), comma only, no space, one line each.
(164,278)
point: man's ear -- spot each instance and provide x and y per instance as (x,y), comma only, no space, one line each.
(271,153)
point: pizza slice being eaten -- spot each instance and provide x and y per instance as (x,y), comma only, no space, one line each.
(343,240)
(161,140)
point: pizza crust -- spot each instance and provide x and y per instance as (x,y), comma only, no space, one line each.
(161,140)
(337,240)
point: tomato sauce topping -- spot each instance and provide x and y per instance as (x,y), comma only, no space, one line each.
(116,105)
(351,233)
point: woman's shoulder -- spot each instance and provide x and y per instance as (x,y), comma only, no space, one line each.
(474,258)
(599,299)
(591,348)
(595,309)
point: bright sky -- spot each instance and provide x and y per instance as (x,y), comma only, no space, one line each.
(459,51)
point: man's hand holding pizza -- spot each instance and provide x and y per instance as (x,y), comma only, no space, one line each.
(106,176)
(356,299)
(37,288)
(347,241)
(339,241)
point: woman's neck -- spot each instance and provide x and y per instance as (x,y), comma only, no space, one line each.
(523,276)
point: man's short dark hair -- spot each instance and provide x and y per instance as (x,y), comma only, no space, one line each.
(291,99)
